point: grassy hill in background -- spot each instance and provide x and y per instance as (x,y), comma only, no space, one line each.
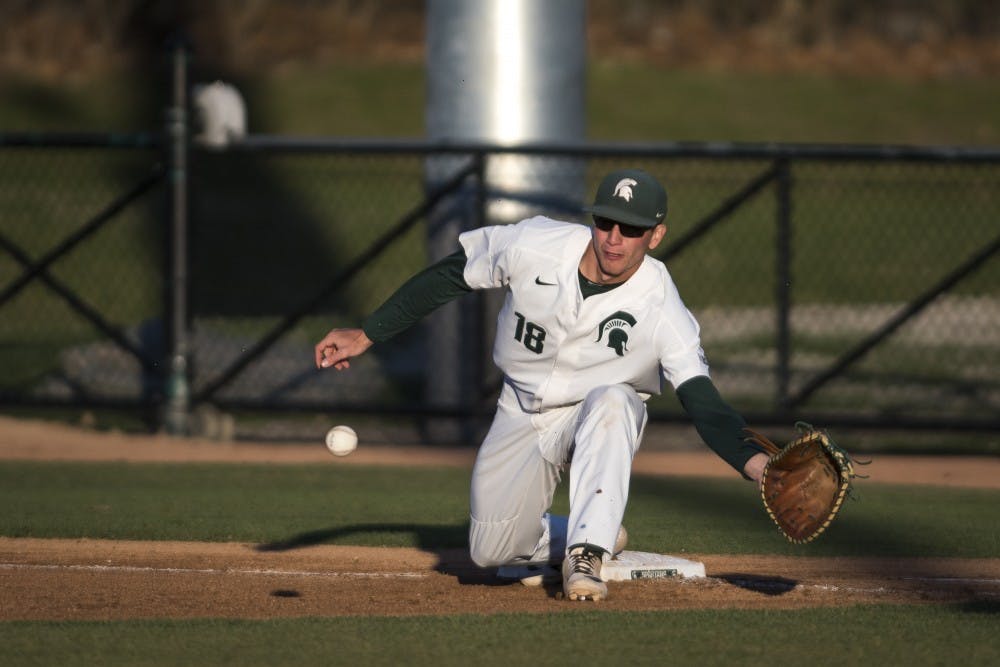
(626,102)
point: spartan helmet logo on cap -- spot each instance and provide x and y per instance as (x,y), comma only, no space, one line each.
(624,187)
(631,197)
(616,327)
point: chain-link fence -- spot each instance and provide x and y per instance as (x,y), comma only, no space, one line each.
(846,285)
(81,275)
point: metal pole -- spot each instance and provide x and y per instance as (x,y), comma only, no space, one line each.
(178,401)
(783,278)
(488,302)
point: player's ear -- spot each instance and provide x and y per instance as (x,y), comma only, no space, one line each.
(658,233)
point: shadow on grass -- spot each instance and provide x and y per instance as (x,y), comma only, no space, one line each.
(427,537)
(981,607)
(446,543)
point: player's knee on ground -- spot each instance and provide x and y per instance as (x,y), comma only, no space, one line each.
(492,544)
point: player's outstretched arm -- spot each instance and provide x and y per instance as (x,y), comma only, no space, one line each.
(340,345)
(721,427)
(434,286)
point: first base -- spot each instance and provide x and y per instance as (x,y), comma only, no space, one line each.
(632,565)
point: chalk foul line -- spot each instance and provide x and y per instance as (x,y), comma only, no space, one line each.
(184,570)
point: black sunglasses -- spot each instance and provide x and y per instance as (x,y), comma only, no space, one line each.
(628,231)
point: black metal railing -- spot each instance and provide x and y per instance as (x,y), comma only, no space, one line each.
(777,389)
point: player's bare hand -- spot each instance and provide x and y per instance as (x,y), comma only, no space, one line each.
(340,345)
(754,468)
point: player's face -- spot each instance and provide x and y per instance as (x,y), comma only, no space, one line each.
(619,249)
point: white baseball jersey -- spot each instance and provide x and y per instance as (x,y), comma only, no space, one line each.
(553,345)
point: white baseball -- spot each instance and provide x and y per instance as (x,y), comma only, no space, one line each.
(341,440)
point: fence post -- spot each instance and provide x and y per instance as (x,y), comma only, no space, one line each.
(783,279)
(178,401)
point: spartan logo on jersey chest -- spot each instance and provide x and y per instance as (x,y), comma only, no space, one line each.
(615,330)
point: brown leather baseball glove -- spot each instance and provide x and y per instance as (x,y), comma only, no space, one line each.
(804,482)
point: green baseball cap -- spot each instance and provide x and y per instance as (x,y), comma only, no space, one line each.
(631,197)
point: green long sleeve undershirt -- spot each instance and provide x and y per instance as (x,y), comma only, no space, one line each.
(419,296)
(719,425)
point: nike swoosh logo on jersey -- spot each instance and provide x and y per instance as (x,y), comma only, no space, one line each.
(539,281)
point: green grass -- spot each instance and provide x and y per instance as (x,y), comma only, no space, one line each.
(232,503)
(626,102)
(919,635)
(637,102)
(428,508)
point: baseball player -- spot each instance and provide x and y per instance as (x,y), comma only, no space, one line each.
(590,327)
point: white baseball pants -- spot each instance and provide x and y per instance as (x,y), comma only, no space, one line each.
(518,468)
